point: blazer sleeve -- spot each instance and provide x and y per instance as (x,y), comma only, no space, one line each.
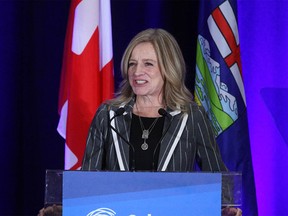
(97,135)
(208,153)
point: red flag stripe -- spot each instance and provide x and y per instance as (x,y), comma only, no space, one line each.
(234,56)
(84,84)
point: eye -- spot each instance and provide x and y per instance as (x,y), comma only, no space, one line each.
(131,64)
(148,64)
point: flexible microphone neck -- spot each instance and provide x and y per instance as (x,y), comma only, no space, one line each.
(119,112)
(163,113)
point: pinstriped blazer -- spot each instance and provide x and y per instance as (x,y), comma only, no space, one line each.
(187,140)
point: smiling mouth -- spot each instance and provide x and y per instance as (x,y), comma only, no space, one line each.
(140,81)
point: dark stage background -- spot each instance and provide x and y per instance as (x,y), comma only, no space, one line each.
(32,34)
(31,40)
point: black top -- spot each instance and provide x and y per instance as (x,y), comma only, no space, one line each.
(145,160)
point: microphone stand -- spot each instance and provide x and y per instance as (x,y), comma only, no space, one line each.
(164,113)
(119,112)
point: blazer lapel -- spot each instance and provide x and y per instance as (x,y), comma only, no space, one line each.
(171,139)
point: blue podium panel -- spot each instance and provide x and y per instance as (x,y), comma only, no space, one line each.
(141,193)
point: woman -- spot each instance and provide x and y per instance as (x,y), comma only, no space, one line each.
(153,124)
(128,132)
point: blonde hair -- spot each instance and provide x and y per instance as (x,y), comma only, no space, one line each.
(172,66)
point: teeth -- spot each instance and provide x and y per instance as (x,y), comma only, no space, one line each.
(140,81)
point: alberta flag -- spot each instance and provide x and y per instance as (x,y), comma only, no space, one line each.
(220,90)
(87,74)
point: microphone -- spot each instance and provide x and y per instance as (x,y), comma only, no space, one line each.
(163,113)
(119,112)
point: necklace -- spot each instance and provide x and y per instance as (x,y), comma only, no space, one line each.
(146,132)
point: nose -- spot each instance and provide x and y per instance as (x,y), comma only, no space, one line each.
(138,70)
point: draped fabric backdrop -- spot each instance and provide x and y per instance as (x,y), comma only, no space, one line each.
(264,44)
(32,41)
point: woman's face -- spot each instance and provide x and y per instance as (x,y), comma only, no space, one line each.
(144,73)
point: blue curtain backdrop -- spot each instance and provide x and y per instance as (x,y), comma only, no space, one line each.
(31,42)
(263,38)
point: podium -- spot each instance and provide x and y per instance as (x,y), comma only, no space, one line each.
(94,193)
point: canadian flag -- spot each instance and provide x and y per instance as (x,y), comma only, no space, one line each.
(87,74)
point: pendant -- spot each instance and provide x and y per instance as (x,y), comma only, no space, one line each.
(145,134)
(144,146)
